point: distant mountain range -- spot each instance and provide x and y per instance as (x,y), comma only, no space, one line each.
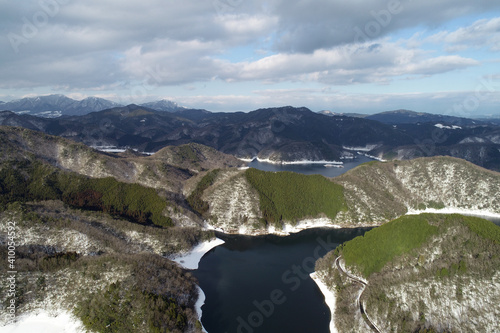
(53,106)
(276,134)
(412,117)
(280,134)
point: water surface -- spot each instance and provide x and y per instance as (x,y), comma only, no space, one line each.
(262,284)
(311,169)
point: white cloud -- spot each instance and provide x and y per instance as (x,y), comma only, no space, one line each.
(483,33)
(378,62)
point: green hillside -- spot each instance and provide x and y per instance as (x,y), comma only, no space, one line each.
(372,251)
(288,196)
(379,246)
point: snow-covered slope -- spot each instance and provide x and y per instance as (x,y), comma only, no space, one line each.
(375,193)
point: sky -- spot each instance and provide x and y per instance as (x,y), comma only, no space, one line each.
(364,56)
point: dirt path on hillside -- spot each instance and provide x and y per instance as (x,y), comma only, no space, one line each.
(363,283)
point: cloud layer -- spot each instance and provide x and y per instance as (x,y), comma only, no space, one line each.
(106,46)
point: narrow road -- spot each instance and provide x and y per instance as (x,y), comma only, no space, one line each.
(361,305)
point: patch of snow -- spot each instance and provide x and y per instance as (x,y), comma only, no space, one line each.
(266,160)
(494,138)
(472,139)
(330,299)
(191,259)
(50,114)
(208,226)
(244,230)
(109,149)
(366,148)
(113,149)
(308,224)
(199,303)
(44,322)
(247,159)
(453,210)
(372,157)
(454,127)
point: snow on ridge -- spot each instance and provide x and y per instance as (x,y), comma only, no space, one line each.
(447,127)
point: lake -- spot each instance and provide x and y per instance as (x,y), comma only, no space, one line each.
(262,284)
(311,169)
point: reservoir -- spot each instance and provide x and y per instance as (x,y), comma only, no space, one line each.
(262,284)
(311,169)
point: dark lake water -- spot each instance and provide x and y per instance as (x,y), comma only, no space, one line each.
(262,284)
(311,169)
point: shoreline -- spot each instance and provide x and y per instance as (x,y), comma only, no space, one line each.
(288,229)
(330,299)
(299,162)
(197,307)
(303,225)
(323,222)
(191,259)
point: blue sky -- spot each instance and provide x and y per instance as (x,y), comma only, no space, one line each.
(361,56)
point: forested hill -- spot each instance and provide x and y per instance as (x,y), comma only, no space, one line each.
(426,273)
(109,236)
(167,169)
(371,194)
(378,192)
